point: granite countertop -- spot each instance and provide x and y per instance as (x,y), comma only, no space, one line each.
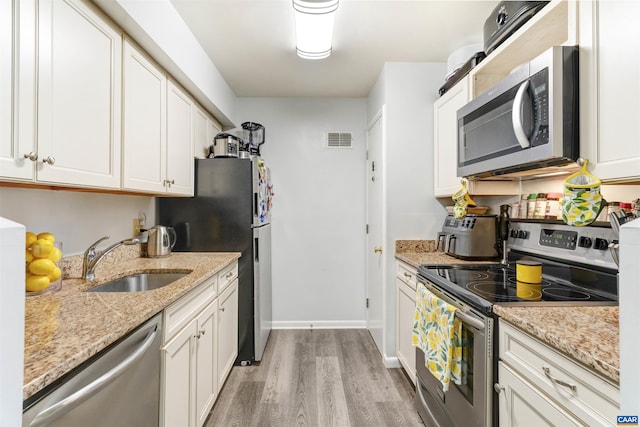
(67,327)
(588,334)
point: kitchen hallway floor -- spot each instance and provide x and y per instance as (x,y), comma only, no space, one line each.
(317,378)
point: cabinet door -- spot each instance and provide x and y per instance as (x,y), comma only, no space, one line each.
(206,362)
(227,331)
(406,305)
(17,88)
(445,142)
(178,378)
(79,95)
(144,122)
(610,88)
(200,131)
(520,404)
(179,141)
(213,128)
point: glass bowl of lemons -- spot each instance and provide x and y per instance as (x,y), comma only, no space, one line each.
(43,254)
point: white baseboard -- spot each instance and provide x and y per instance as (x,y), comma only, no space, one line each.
(319,324)
(391,362)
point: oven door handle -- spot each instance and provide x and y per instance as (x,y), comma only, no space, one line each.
(469,320)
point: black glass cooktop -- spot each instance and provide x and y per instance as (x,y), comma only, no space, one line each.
(483,285)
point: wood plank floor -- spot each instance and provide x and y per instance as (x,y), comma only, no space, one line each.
(317,378)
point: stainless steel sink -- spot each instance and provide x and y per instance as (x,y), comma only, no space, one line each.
(138,282)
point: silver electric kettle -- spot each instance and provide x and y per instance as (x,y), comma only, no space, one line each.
(160,241)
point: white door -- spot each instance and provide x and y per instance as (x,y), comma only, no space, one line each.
(375,224)
(179,141)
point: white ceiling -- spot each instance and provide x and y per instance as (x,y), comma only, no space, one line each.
(252,42)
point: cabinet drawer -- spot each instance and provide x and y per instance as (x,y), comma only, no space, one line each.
(407,274)
(181,312)
(226,276)
(586,394)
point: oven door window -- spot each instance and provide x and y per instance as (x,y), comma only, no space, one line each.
(468,341)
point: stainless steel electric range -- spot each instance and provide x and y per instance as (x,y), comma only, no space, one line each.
(577,269)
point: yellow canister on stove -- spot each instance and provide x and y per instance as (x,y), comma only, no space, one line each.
(528,271)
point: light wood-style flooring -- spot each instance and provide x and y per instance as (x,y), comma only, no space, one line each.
(317,378)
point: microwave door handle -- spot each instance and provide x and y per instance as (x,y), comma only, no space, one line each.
(516,115)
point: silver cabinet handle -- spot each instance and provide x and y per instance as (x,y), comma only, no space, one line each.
(516,118)
(498,388)
(221,308)
(228,275)
(408,276)
(547,372)
(199,334)
(49,159)
(31,156)
(54,411)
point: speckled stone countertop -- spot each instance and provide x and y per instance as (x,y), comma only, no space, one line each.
(67,327)
(419,252)
(590,335)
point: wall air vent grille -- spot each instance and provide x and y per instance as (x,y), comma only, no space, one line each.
(339,139)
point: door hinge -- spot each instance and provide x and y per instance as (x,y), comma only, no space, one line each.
(367,228)
(367,153)
(366,303)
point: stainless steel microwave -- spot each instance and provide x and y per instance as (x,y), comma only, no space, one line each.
(526,122)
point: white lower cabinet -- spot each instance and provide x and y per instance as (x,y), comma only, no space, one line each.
(200,347)
(227,331)
(539,386)
(522,405)
(405,308)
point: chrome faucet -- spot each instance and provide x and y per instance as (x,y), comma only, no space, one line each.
(91,257)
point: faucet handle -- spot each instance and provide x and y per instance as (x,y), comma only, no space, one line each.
(92,247)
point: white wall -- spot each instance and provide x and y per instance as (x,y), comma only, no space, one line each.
(408,90)
(318,217)
(77,219)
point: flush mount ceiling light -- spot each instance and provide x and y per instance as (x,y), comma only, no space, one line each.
(314,27)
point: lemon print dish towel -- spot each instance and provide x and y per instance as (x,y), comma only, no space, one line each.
(438,333)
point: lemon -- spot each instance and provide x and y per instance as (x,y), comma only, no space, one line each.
(54,275)
(55,254)
(31,237)
(41,248)
(47,236)
(28,256)
(41,267)
(37,283)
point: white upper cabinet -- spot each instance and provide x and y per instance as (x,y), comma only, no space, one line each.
(445,127)
(17,89)
(179,178)
(79,96)
(200,131)
(609,39)
(144,122)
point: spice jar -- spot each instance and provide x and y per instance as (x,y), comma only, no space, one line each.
(553,205)
(531,205)
(541,206)
(523,206)
(612,207)
(627,207)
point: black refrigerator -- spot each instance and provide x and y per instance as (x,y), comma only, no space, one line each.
(230,212)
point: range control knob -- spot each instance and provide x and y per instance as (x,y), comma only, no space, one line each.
(601,244)
(523,234)
(514,233)
(585,242)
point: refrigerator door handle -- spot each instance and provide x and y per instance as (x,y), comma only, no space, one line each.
(257,257)
(255,204)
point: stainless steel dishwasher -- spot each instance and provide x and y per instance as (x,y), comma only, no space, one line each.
(119,388)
